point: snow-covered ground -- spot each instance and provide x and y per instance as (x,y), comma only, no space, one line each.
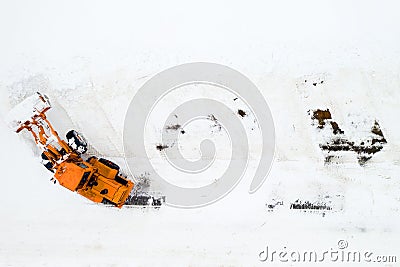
(91,57)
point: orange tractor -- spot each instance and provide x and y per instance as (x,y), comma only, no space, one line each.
(96,179)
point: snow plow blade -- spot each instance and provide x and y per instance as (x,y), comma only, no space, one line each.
(26,112)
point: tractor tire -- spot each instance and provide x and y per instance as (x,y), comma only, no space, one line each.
(107,202)
(109,164)
(76,142)
(47,163)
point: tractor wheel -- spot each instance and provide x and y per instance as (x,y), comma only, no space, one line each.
(107,202)
(109,164)
(47,163)
(76,142)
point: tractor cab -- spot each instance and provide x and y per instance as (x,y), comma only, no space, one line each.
(74,175)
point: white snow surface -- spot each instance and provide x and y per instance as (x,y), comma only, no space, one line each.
(90,58)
